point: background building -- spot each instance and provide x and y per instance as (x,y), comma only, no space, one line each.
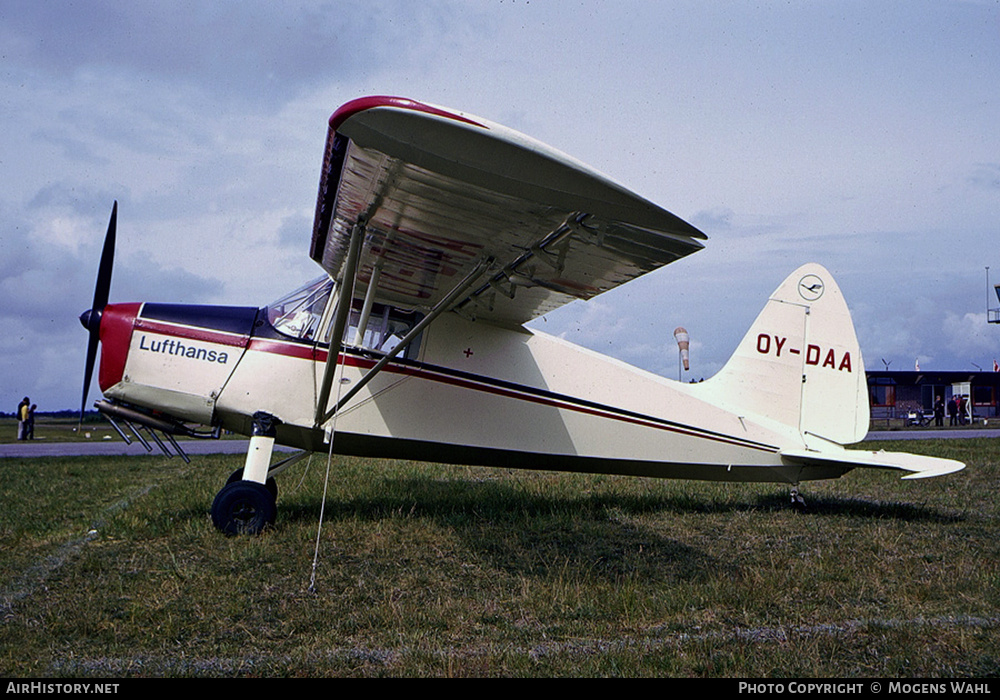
(895,394)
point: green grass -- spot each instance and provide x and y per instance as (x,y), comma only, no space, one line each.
(111,567)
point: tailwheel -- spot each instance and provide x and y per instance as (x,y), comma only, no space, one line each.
(798,502)
(243,508)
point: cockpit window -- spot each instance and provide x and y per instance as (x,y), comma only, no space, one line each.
(385,328)
(298,314)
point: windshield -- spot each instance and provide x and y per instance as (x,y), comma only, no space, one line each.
(298,314)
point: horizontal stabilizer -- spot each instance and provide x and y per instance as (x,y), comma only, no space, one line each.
(919,466)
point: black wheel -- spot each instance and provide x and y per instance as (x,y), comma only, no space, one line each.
(271,484)
(243,508)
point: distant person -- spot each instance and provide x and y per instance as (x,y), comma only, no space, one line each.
(953,411)
(963,409)
(939,412)
(29,431)
(22,418)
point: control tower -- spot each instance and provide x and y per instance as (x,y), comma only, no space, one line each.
(992,315)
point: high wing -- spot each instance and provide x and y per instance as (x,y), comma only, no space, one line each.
(439,192)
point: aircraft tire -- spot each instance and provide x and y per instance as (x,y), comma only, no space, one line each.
(243,508)
(271,484)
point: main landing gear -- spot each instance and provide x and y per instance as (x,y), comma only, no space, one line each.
(248,502)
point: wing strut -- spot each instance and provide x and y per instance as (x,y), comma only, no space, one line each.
(345,297)
(366,308)
(444,305)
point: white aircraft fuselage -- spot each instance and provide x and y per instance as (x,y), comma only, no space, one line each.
(475,395)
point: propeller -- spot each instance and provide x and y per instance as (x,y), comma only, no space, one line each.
(91,319)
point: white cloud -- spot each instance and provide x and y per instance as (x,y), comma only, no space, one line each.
(970,332)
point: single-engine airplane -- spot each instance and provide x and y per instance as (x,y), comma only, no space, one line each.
(440,234)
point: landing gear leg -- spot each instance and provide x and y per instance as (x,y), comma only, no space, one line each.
(261,447)
(245,506)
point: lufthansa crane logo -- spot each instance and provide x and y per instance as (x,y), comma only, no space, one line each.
(811,287)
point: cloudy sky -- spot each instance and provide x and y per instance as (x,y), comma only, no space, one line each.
(861,135)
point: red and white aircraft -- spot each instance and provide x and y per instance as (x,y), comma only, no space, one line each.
(440,234)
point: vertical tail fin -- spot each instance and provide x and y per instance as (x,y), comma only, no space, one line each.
(800,363)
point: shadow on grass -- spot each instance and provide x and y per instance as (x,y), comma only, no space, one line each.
(867,509)
(498,501)
(526,532)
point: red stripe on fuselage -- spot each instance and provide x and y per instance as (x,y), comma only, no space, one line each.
(288,349)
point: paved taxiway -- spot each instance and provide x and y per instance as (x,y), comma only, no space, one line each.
(41,448)
(929,433)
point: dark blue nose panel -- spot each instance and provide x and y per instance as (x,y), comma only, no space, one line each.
(229,319)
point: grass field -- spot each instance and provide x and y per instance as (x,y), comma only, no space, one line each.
(111,567)
(63,429)
(52,429)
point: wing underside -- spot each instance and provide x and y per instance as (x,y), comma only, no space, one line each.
(439,192)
